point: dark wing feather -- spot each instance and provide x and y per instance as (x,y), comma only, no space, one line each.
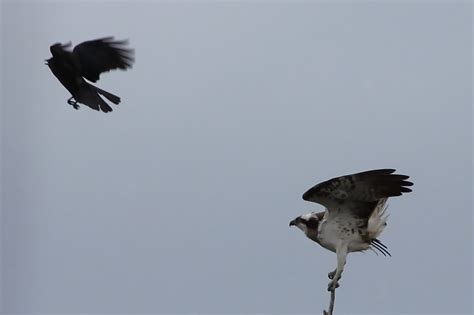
(60,48)
(378,245)
(102,55)
(361,190)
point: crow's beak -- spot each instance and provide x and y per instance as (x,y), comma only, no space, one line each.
(292,223)
(46,61)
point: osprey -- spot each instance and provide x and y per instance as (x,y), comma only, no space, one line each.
(355,213)
(88,60)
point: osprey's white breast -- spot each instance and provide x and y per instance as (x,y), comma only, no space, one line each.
(333,231)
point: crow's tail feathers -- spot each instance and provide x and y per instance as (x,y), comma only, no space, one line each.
(90,95)
(111,97)
(104,106)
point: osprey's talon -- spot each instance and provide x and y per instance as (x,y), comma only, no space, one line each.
(331,274)
(333,285)
(75,106)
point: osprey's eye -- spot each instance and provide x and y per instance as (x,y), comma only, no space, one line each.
(312,223)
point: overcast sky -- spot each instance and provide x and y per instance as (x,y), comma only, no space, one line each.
(179,200)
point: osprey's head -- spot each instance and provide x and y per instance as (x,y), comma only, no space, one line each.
(307,222)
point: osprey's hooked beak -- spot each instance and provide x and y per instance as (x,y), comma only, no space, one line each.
(293,222)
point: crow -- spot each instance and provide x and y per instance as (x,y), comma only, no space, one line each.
(87,61)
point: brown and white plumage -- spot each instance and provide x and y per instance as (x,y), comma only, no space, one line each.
(355,213)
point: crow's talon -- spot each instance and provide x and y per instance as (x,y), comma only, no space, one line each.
(72,101)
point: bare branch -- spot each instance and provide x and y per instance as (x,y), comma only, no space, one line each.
(331,303)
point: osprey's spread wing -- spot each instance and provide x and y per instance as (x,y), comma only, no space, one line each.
(102,55)
(360,192)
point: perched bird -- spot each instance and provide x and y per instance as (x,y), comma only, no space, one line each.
(88,60)
(355,213)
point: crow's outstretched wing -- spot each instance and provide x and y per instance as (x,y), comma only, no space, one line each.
(102,55)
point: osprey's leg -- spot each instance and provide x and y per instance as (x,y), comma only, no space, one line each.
(341,252)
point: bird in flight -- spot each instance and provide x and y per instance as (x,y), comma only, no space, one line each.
(87,61)
(355,213)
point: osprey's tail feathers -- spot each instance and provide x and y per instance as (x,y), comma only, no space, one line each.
(378,219)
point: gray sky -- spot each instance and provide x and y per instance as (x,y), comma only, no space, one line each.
(179,200)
